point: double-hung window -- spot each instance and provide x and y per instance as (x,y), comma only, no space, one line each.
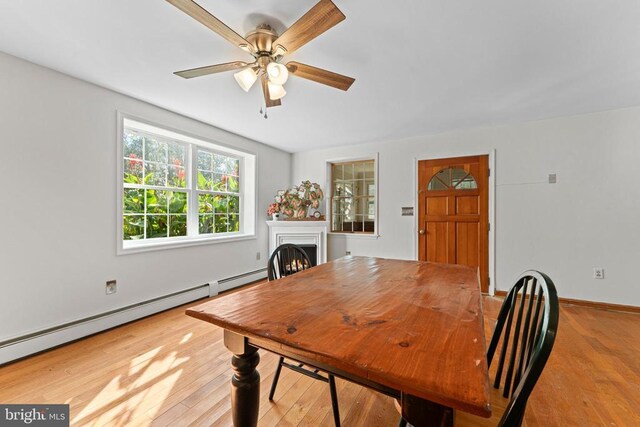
(177,190)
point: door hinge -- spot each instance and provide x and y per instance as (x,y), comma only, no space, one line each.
(489,172)
(488,281)
(489,227)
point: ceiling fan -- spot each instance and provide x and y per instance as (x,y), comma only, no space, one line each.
(268,48)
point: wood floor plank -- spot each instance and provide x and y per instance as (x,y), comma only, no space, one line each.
(172,370)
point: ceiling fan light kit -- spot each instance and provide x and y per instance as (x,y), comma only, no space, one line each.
(278,73)
(276,91)
(246,78)
(268,48)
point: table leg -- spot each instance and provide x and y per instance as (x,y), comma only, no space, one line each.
(419,412)
(245,383)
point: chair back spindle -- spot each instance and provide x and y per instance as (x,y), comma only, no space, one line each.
(526,328)
(287,259)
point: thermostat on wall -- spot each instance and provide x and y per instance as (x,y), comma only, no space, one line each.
(407,211)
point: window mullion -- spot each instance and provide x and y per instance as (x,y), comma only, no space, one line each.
(192,220)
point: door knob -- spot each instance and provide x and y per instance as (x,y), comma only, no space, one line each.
(421,231)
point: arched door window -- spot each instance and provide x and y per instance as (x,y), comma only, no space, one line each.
(452,178)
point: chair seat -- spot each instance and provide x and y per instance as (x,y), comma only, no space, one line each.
(464,419)
(498,408)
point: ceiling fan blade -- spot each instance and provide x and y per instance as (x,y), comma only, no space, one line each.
(211,69)
(320,76)
(265,89)
(316,21)
(198,13)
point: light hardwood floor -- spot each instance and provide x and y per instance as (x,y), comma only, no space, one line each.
(172,370)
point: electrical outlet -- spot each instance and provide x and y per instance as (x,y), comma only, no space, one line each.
(598,273)
(552,178)
(111,287)
(257,256)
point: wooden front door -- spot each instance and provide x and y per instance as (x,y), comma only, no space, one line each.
(453,212)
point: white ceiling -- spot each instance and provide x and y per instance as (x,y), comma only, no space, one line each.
(421,66)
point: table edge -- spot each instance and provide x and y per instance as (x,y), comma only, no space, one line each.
(262,342)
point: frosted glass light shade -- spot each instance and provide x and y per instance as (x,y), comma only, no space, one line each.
(276,91)
(278,73)
(246,78)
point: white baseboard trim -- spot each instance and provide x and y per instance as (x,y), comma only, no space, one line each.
(26,345)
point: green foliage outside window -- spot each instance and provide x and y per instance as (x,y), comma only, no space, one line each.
(150,213)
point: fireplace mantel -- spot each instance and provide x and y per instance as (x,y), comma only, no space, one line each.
(299,233)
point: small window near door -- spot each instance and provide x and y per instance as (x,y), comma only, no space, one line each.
(452,178)
(353,197)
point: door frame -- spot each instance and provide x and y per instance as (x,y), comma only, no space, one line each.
(492,199)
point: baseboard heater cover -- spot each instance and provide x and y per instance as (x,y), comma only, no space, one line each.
(19,347)
(228,283)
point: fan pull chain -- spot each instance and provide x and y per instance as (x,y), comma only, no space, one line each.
(263,113)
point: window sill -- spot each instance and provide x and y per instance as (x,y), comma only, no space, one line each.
(144,246)
(354,235)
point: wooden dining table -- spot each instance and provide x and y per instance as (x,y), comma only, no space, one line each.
(412,330)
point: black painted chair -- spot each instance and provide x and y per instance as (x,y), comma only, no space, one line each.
(288,259)
(525,332)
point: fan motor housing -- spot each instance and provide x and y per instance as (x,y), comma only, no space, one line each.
(262,39)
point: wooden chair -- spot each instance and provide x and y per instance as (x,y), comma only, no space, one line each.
(525,332)
(286,260)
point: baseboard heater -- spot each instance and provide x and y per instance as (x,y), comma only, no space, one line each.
(35,342)
(222,285)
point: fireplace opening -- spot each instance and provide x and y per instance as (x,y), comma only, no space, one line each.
(312,253)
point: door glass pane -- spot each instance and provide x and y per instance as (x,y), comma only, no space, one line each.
(452,178)
(437,183)
(466,183)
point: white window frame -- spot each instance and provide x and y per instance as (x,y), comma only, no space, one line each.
(247,194)
(329,187)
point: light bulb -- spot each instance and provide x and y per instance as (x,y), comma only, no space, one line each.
(278,73)
(246,78)
(276,91)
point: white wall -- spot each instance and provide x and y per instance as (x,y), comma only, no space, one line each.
(58,204)
(590,218)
